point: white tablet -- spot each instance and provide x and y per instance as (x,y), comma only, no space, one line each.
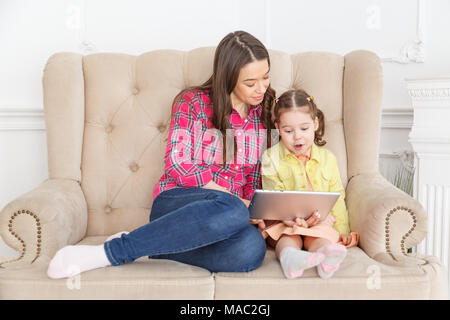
(287,205)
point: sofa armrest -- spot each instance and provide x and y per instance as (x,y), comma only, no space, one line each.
(40,222)
(388,220)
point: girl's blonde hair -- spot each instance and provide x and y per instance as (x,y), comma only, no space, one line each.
(292,99)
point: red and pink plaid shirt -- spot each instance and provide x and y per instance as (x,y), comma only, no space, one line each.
(194,148)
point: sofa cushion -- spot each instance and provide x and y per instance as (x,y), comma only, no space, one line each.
(143,279)
(359,277)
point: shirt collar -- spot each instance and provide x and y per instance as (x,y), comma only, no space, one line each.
(285,153)
(253,112)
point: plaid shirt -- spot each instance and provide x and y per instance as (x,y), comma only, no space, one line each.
(194,148)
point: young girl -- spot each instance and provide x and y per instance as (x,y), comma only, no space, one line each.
(298,162)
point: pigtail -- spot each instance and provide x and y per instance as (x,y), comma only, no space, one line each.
(321,129)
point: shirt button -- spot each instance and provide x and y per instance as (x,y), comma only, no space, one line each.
(239,133)
(240,150)
(237,167)
(226,177)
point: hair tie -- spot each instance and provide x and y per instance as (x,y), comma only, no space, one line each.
(310,98)
(276,100)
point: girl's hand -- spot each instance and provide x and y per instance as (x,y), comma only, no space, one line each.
(345,239)
(349,240)
(314,219)
(259,222)
(297,221)
(289,223)
(302,223)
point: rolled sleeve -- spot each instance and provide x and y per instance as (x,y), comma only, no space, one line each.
(252,182)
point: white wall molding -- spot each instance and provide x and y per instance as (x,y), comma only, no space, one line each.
(397,118)
(414,50)
(28,118)
(21,118)
(428,89)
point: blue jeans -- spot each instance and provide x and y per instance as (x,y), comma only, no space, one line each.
(201,227)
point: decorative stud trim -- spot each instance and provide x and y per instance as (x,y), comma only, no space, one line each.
(406,235)
(15,235)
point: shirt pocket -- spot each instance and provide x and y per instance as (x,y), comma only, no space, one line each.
(327,177)
(285,173)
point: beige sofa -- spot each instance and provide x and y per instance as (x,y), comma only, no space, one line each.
(106,116)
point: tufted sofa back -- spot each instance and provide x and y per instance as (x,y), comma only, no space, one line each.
(107,115)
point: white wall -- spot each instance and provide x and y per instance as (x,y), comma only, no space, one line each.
(30,31)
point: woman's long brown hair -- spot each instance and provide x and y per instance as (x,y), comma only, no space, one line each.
(234,51)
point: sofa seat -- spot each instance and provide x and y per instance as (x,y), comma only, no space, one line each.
(143,279)
(359,277)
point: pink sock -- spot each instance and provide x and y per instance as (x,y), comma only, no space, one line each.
(294,261)
(334,255)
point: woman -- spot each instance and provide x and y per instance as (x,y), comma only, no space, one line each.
(200,209)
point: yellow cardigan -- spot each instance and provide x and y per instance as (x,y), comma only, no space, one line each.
(281,170)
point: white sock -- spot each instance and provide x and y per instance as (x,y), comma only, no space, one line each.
(334,255)
(294,261)
(72,260)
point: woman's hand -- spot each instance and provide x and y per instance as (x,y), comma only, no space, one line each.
(214,186)
(259,222)
(246,202)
